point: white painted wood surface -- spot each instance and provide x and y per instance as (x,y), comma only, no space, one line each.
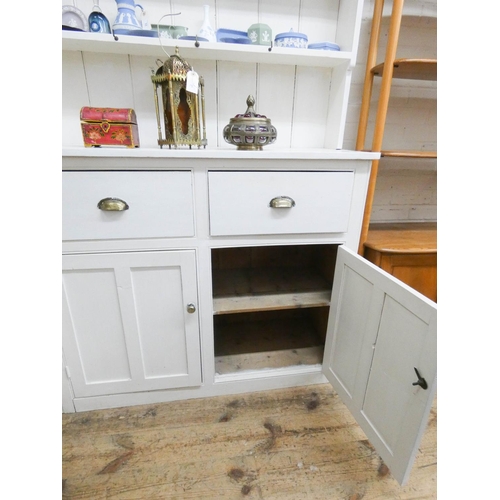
(379,331)
(304,92)
(330,163)
(160,205)
(240,202)
(125,323)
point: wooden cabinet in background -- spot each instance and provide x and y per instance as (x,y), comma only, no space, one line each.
(407,252)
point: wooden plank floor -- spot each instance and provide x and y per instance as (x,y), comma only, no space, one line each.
(298,443)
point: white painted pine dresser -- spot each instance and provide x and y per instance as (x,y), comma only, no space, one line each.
(203,286)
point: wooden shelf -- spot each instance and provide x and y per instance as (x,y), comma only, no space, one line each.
(81,153)
(269,344)
(410,69)
(273,302)
(146,46)
(416,237)
(238,291)
(409,154)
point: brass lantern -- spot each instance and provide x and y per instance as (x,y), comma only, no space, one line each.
(180,107)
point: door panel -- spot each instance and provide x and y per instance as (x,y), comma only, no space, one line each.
(379,331)
(126,327)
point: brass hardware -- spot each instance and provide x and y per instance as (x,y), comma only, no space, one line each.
(282,202)
(112,205)
(179,120)
(191,308)
(250,131)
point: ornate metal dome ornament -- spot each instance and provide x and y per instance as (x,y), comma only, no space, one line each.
(250,131)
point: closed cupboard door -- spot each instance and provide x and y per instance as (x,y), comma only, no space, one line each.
(380,357)
(130,322)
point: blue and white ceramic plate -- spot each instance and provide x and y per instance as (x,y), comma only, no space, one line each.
(194,38)
(74,18)
(232,36)
(229,39)
(323,46)
(149,33)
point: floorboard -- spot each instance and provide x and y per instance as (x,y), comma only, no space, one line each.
(298,443)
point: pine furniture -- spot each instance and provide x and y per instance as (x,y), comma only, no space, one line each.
(234,271)
(407,251)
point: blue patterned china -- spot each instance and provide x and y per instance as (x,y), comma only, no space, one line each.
(147,33)
(126,18)
(194,38)
(232,36)
(74,18)
(291,39)
(323,46)
(98,22)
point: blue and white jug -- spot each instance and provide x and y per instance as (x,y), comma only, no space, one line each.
(126,18)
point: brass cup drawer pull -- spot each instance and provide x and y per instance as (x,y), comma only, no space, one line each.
(282,202)
(112,205)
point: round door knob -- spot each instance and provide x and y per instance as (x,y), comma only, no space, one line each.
(191,308)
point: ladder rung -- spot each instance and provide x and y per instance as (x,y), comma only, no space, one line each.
(411,69)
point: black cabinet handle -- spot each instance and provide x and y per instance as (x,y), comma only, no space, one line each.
(421,381)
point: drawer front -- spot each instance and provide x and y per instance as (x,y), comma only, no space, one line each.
(307,202)
(160,204)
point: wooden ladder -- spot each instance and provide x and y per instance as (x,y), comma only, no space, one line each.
(416,69)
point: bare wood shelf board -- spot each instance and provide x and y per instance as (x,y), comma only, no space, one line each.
(410,69)
(278,343)
(403,237)
(246,290)
(409,154)
(273,302)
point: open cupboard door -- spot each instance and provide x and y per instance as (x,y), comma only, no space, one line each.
(380,357)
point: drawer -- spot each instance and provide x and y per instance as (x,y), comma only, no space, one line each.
(314,202)
(160,205)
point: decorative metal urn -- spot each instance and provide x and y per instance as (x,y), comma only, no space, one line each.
(180,104)
(250,131)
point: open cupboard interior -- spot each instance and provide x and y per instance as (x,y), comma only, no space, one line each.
(271,305)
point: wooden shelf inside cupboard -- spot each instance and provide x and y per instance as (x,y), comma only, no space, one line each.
(145,46)
(272,278)
(410,69)
(278,341)
(237,291)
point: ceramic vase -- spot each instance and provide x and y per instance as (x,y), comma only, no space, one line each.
(126,18)
(206,30)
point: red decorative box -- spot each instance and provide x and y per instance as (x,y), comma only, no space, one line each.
(109,127)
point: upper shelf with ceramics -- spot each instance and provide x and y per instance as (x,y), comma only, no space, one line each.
(146,46)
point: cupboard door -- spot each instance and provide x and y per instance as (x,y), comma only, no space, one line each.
(127,326)
(380,334)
